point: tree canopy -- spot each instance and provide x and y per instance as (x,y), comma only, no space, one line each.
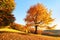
(38,15)
(6,8)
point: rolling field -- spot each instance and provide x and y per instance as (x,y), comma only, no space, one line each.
(18,36)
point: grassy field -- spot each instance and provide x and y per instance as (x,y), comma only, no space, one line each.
(18,36)
(11,34)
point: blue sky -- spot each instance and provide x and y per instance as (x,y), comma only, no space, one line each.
(22,7)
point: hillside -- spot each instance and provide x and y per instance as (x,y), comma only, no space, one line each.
(18,36)
(11,34)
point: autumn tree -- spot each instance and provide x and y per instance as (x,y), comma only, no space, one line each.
(6,8)
(38,15)
(16,26)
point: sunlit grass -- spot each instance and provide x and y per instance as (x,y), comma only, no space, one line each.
(9,30)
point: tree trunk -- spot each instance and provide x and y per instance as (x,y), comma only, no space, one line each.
(35,29)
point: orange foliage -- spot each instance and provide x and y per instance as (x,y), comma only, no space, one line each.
(19,27)
(38,14)
(7,5)
(6,8)
(50,28)
(16,26)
